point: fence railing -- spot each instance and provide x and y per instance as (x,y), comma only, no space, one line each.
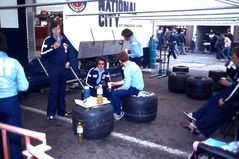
(31,152)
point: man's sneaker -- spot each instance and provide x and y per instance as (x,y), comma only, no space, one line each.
(118,117)
(189,116)
(50,117)
(194,129)
(67,114)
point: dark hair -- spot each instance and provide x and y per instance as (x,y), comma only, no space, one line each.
(127,33)
(55,24)
(101,58)
(3,42)
(235,50)
(123,56)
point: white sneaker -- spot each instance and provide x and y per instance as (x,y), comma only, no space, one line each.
(118,117)
(50,117)
(189,116)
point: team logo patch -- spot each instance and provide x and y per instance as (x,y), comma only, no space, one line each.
(78,6)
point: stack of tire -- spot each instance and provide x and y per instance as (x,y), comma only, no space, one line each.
(195,87)
(177,79)
(216,75)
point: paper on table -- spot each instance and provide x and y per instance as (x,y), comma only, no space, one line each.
(91,102)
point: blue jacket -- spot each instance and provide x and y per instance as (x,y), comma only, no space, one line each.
(93,75)
(136,49)
(57,58)
(132,76)
(12,77)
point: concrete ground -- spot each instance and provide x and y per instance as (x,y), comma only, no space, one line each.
(163,138)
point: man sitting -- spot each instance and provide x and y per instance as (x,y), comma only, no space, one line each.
(131,84)
(217,109)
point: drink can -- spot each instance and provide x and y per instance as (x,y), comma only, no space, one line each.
(86,92)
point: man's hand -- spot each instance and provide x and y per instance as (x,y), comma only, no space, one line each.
(56,45)
(223,81)
(67,65)
(221,102)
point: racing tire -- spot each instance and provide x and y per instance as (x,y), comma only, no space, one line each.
(180,69)
(140,109)
(177,82)
(97,122)
(199,87)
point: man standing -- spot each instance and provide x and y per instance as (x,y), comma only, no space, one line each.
(182,40)
(55,49)
(131,84)
(12,80)
(136,50)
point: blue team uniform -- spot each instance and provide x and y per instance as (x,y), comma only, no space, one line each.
(94,78)
(57,59)
(133,83)
(12,81)
(136,51)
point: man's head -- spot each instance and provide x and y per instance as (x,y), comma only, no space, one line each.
(235,55)
(127,33)
(101,63)
(3,42)
(56,28)
(123,57)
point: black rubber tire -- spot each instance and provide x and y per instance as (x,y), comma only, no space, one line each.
(199,87)
(177,82)
(216,75)
(180,69)
(140,109)
(97,122)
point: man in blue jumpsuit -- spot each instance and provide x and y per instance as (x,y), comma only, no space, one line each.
(55,49)
(136,50)
(99,75)
(12,80)
(132,83)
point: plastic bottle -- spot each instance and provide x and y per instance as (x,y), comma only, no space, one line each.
(99,94)
(79,131)
(86,94)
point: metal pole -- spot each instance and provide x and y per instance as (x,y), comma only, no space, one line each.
(227,2)
(113,35)
(178,15)
(43,4)
(192,19)
(76,77)
(164,11)
(5,144)
(44,69)
(92,35)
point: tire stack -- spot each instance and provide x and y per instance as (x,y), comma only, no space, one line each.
(97,122)
(177,79)
(177,82)
(199,87)
(142,108)
(216,75)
